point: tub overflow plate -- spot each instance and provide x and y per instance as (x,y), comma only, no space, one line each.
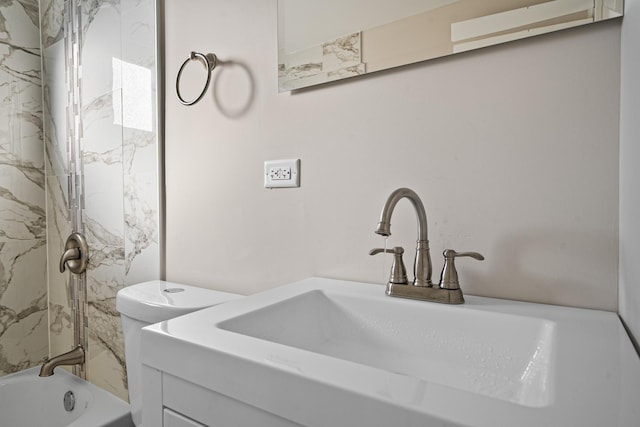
(69,401)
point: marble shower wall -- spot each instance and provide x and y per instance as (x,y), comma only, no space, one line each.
(115,157)
(23,294)
(58,165)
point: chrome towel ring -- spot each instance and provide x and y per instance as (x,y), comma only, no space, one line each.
(210,61)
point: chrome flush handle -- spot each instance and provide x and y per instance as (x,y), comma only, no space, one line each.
(449,275)
(75,255)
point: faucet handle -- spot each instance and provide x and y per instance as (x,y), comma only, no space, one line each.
(449,275)
(398,275)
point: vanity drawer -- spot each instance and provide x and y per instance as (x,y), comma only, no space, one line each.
(173,419)
(211,408)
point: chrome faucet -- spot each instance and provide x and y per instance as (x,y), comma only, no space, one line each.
(448,289)
(422,268)
(73,357)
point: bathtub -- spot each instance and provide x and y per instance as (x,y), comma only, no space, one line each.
(27,400)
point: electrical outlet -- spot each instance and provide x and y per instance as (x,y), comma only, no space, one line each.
(279,173)
(282,173)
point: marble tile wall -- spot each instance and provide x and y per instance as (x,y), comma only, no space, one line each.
(115,157)
(60,168)
(23,295)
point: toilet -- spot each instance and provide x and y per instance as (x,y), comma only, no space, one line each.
(152,302)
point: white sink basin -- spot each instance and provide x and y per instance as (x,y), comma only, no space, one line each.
(498,355)
(325,352)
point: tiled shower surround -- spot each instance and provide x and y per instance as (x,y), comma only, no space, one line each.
(23,294)
(100,166)
(112,150)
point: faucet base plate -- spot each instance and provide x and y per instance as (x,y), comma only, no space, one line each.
(433,294)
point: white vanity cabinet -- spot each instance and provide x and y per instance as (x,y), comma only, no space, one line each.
(169,401)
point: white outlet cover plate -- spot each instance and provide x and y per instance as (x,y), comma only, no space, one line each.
(277,171)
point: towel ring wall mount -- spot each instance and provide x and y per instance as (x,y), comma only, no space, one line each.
(210,61)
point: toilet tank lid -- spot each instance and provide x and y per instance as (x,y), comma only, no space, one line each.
(158,300)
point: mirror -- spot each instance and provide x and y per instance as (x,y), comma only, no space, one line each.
(325,40)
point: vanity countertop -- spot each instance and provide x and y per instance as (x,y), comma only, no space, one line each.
(324,352)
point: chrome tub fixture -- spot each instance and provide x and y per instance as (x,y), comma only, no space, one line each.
(76,254)
(70,358)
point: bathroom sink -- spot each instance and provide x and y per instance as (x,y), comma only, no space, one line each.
(326,352)
(498,355)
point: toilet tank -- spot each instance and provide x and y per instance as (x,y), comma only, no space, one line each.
(152,302)
(157,300)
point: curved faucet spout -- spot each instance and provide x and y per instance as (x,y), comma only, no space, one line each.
(422,267)
(384,226)
(73,357)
